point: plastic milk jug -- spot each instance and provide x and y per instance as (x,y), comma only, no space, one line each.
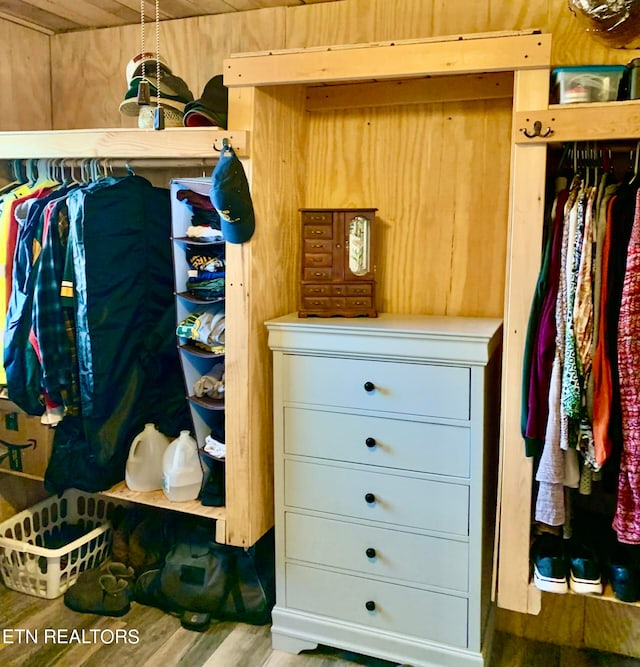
(182,472)
(143,471)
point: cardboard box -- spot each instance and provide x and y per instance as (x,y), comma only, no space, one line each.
(25,443)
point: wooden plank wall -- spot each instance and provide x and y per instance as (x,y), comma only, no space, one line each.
(439,175)
(25,79)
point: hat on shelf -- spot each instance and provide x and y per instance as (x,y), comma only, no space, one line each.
(146,117)
(134,66)
(210,110)
(230,196)
(174,93)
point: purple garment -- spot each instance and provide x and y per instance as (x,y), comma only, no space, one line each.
(545,343)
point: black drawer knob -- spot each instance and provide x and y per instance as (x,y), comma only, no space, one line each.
(370,442)
(370,498)
(371,552)
(369,386)
(370,605)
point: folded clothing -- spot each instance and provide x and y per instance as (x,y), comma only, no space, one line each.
(204,233)
(206,328)
(195,199)
(207,289)
(206,259)
(215,448)
(211,384)
(203,212)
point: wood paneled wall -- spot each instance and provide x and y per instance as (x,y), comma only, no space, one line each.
(88,68)
(25,79)
(437,174)
(77,80)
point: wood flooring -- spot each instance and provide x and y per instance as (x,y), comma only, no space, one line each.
(39,633)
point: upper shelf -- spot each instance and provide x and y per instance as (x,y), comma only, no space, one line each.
(185,143)
(457,54)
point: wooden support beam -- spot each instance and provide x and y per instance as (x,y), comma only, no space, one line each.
(579,122)
(402,59)
(121,143)
(459,88)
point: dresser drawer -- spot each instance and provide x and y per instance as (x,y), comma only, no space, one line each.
(402,609)
(387,498)
(419,389)
(423,559)
(386,442)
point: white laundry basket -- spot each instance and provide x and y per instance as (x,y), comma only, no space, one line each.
(28,566)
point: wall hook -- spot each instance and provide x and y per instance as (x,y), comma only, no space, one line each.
(225,144)
(537,131)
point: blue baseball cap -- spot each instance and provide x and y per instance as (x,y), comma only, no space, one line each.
(230,196)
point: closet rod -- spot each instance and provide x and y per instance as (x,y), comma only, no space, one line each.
(122,163)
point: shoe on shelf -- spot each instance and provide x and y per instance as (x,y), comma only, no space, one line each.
(549,563)
(623,575)
(584,570)
(106,595)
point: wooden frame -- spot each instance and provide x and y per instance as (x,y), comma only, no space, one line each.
(349,77)
(248,512)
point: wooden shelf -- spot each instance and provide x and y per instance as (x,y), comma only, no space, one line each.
(158,499)
(194,299)
(172,143)
(207,403)
(192,241)
(200,352)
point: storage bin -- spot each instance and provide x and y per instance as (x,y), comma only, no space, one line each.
(30,566)
(588,83)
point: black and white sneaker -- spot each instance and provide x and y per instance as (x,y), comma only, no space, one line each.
(549,564)
(584,570)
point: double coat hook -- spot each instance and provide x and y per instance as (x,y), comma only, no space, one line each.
(537,131)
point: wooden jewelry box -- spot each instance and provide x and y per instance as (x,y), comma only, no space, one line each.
(337,262)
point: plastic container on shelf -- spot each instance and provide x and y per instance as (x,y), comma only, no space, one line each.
(144,467)
(588,83)
(182,471)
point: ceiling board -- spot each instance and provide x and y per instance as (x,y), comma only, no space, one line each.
(56,16)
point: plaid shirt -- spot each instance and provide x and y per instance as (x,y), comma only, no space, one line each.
(50,322)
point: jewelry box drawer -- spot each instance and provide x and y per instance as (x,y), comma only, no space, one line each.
(318,273)
(313,259)
(378,552)
(318,245)
(312,231)
(419,389)
(380,441)
(376,604)
(383,497)
(315,217)
(316,290)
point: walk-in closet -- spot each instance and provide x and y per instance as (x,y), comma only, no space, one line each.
(367,472)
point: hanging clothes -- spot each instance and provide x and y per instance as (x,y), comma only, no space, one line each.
(626,521)
(542,333)
(592,396)
(90,324)
(602,379)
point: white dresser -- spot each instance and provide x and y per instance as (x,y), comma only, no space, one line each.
(385,481)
